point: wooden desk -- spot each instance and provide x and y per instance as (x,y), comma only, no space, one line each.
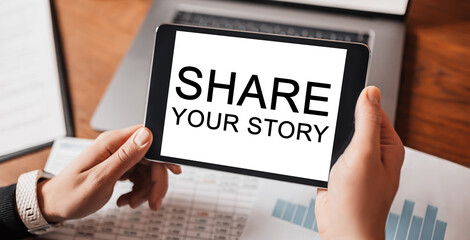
(434,104)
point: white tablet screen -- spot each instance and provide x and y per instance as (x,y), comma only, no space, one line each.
(254,104)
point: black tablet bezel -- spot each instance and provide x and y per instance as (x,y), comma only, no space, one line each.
(357,59)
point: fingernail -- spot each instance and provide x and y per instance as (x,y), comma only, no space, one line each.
(142,137)
(374,95)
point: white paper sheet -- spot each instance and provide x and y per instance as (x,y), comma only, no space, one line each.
(200,204)
(431,203)
(263,225)
(31,111)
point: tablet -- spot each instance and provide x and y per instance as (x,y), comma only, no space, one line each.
(265,105)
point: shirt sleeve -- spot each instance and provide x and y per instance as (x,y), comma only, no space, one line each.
(11,226)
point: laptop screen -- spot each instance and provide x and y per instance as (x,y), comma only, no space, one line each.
(395,7)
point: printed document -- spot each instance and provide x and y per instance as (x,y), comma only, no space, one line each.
(31,111)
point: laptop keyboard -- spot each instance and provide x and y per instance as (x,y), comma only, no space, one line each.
(205,20)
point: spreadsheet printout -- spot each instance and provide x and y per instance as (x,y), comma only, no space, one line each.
(200,204)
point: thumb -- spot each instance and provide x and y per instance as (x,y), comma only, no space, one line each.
(321,205)
(368,120)
(128,155)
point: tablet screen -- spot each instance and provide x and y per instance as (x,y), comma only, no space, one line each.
(253,104)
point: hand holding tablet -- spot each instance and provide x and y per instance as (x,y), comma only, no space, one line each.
(264,105)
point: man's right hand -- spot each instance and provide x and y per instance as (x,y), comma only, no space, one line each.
(365,179)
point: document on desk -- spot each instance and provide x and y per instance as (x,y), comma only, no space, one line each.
(32,112)
(431,203)
(200,204)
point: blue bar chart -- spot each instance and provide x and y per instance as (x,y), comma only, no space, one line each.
(404,226)
(297,214)
(407,226)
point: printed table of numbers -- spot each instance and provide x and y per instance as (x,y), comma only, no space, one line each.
(200,204)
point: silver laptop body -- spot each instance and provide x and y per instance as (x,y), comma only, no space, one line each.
(123,104)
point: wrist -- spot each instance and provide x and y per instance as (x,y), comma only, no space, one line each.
(46,206)
(357,237)
(355,233)
(27,204)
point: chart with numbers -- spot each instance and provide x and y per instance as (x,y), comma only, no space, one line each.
(200,204)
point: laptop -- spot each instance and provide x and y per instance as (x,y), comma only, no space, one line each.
(377,23)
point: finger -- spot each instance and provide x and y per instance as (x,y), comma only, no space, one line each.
(388,135)
(160,186)
(128,155)
(368,117)
(104,146)
(124,199)
(393,151)
(321,203)
(140,196)
(128,174)
(321,191)
(368,120)
(142,185)
(132,199)
(176,169)
(140,177)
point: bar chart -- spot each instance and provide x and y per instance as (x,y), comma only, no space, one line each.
(405,226)
(297,214)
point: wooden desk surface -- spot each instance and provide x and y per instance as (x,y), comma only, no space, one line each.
(434,104)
